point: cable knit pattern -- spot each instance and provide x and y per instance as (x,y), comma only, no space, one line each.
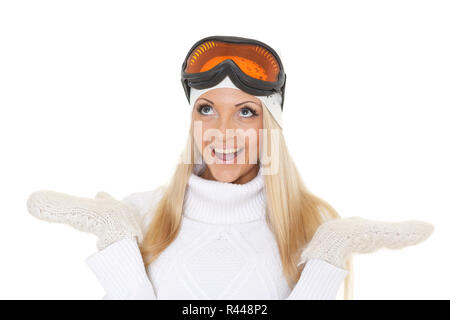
(335,240)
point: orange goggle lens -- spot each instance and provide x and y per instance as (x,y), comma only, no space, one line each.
(253,60)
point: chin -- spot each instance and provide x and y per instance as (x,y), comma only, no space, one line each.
(223,174)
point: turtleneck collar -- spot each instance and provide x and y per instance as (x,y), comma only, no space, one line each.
(219,202)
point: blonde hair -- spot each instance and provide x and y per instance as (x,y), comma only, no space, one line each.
(293,212)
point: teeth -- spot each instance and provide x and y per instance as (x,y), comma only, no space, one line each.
(225,151)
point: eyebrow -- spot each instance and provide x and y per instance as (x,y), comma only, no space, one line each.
(236,105)
(207,100)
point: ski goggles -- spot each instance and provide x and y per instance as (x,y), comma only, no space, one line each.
(253,66)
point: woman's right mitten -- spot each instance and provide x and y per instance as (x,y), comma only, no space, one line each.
(109,219)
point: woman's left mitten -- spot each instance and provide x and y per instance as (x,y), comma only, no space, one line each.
(337,239)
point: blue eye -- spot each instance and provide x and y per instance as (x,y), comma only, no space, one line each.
(205,109)
(248,112)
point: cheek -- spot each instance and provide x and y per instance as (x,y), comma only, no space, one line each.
(252,144)
(201,131)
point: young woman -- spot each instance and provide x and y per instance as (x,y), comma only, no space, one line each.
(236,221)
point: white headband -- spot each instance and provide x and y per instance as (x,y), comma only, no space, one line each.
(272,102)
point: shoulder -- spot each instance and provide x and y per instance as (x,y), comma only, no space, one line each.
(145,202)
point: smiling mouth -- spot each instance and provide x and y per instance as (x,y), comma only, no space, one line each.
(225,155)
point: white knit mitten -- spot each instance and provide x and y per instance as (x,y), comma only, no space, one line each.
(109,219)
(335,240)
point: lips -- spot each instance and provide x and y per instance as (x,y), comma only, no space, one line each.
(226,156)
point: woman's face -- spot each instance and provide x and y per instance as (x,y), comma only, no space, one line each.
(226,130)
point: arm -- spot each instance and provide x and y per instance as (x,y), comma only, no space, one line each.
(319,280)
(120,268)
(121,272)
(118,265)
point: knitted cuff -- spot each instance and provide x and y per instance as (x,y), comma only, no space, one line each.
(328,246)
(319,281)
(121,271)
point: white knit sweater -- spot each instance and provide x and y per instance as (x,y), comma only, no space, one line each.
(224,250)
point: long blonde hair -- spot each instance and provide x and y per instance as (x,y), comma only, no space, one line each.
(293,212)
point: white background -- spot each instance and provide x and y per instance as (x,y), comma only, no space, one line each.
(91,99)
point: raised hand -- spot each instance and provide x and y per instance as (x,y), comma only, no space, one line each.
(109,219)
(335,240)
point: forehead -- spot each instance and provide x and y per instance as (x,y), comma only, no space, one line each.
(228,95)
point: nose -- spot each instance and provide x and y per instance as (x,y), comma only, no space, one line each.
(224,124)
